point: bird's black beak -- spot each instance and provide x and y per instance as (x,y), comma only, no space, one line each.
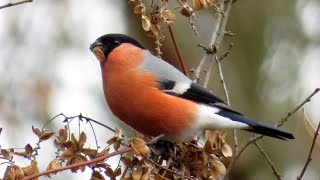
(97,49)
(95,44)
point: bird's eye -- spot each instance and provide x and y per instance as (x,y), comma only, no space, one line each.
(116,43)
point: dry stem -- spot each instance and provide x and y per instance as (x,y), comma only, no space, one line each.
(14,4)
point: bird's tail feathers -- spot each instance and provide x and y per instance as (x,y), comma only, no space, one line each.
(258,127)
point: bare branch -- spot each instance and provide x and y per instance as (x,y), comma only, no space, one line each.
(256,138)
(14,4)
(310,153)
(183,66)
(102,158)
(263,152)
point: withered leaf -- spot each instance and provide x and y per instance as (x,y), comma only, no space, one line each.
(169,15)
(75,160)
(67,154)
(45,135)
(145,22)
(127,161)
(117,172)
(226,150)
(109,172)
(89,151)
(6,153)
(96,176)
(36,131)
(82,139)
(146,176)
(63,135)
(137,174)
(139,146)
(28,148)
(74,142)
(139,9)
(219,166)
(53,165)
(31,169)
(159,177)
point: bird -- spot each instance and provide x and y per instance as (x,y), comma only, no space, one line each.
(156,99)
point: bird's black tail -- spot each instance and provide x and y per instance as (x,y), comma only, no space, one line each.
(258,127)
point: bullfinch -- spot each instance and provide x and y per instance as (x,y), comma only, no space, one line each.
(156,99)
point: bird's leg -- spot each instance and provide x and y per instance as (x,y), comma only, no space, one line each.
(155,139)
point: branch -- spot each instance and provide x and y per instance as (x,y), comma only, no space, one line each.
(263,152)
(256,138)
(310,153)
(14,4)
(183,66)
(45,173)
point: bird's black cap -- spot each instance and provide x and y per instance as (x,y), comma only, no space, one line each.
(108,42)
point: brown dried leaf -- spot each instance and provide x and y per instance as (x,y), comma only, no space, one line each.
(210,135)
(89,151)
(155,29)
(75,160)
(137,174)
(63,135)
(139,9)
(23,154)
(117,144)
(219,166)
(28,148)
(6,153)
(139,146)
(32,169)
(146,176)
(53,165)
(145,23)
(127,161)
(82,139)
(112,140)
(13,172)
(45,135)
(67,154)
(74,142)
(109,172)
(226,150)
(103,152)
(57,144)
(118,132)
(208,147)
(163,5)
(36,131)
(117,172)
(169,15)
(97,176)
(159,177)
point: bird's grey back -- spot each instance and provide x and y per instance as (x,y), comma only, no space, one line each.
(163,70)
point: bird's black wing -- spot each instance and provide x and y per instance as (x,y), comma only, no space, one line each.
(194,92)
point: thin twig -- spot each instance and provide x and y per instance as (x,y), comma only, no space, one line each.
(14,4)
(298,107)
(183,66)
(169,170)
(256,138)
(52,171)
(263,152)
(310,153)
(208,73)
(199,68)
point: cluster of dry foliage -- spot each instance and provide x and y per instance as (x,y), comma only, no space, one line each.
(139,158)
(161,160)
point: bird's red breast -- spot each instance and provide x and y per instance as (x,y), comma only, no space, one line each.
(133,97)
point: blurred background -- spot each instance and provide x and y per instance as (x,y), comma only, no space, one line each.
(46,68)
